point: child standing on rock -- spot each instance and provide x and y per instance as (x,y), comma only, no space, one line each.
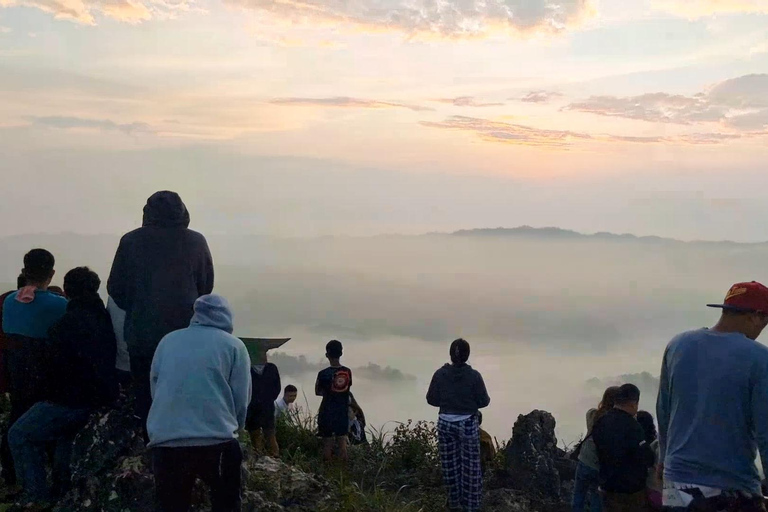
(459,391)
(333,385)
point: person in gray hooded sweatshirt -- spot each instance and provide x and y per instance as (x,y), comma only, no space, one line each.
(459,392)
(201,387)
(159,271)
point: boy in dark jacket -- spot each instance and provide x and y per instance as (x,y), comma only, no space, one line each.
(625,455)
(333,384)
(82,351)
(260,423)
(459,392)
(159,271)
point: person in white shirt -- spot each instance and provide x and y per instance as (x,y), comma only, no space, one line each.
(285,405)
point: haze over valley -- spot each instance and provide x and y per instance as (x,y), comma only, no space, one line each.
(553,316)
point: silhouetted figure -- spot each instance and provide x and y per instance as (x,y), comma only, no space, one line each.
(487,448)
(333,384)
(653,484)
(28,314)
(260,423)
(357,423)
(625,456)
(587,482)
(201,385)
(712,408)
(81,349)
(459,391)
(159,271)
(20,282)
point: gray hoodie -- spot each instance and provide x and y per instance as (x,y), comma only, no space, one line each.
(201,381)
(458,389)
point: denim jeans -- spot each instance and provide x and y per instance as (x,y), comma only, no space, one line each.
(43,424)
(585,489)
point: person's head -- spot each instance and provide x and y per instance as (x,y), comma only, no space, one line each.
(459,351)
(57,290)
(334,350)
(81,282)
(290,394)
(166,209)
(21,281)
(213,311)
(745,310)
(38,268)
(645,419)
(609,398)
(628,399)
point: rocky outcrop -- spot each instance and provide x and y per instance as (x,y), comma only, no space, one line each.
(533,456)
(111,473)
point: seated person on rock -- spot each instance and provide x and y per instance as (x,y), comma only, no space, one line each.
(201,387)
(28,314)
(81,348)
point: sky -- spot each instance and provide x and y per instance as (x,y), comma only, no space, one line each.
(329,117)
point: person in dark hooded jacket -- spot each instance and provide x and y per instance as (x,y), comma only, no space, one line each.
(159,271)
(459,391)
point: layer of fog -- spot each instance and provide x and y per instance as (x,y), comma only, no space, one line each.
(544,316)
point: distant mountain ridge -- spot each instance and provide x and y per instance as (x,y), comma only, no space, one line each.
(555,233)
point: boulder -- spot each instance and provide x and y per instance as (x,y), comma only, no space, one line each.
(531,454)
(111,472)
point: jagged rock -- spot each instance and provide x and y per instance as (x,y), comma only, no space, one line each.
(285,485)
(111,472)
(531,454)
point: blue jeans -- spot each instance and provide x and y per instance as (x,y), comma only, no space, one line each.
(43,424)
(585,489)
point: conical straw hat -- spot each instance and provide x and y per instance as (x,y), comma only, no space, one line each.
(258,347)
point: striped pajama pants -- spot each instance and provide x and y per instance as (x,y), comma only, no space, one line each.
(460,458)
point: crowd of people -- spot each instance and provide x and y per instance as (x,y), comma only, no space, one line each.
(166,338)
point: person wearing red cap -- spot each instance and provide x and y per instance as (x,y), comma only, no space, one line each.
(712,409)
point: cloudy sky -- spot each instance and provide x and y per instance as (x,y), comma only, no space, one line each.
(310,117)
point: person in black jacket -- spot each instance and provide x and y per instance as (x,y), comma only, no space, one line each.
(459,392)
(81,350)
(624,454)
(159,271)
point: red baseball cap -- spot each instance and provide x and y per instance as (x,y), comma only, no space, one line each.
(746,297)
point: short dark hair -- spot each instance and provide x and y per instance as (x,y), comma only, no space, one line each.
(628,394)
(334,349)
(38,265)
(290,388)
(645,419)
(479,418)
(459,351)
(56,290)
(21,281)
(80,282)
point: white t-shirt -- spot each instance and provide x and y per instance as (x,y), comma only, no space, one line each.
(281,407)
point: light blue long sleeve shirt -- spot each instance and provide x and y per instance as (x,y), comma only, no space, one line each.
(712,410)
(201,381)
